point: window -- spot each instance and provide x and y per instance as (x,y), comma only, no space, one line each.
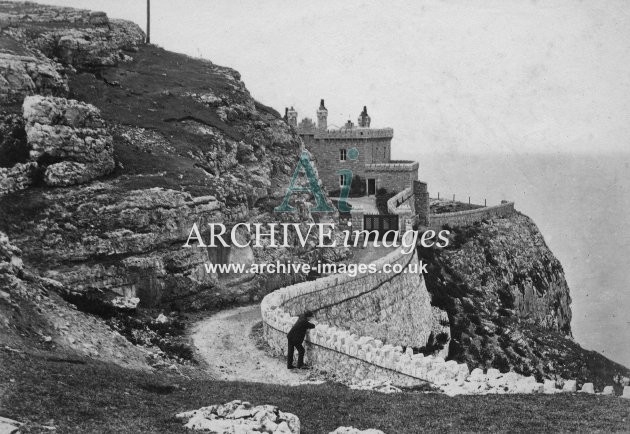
(342,155)
(342,180)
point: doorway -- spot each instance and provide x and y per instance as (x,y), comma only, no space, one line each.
(371,186)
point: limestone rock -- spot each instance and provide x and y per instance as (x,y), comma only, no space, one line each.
(9,426)
(70,131)
(353,430)
(504,270)
(377,386)
(17,177)
(587,388)
(22,75)
(549,386)
(241,417)
(94,41)
(569,386)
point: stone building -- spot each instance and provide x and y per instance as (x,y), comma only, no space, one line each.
(363,149)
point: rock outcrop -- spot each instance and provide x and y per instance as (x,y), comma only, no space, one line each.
(150,143)
(69,135)
(17,177)
(508,303)
(353,430)
(31,311)
(92,40)
(241,417)
(22,75)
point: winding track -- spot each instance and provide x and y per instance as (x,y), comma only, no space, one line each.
(224,341)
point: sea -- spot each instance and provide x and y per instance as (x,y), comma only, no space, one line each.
(581,204)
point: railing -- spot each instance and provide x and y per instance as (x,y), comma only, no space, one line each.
(468,217)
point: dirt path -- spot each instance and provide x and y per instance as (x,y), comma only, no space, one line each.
(225,343)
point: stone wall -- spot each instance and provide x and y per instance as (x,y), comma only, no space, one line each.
(326,153)
(464,218)
(363,323)
(392,306)
(421,202)
(400,203)
(355,133)
(392,176)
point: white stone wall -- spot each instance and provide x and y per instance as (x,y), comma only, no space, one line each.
(351,302)
(468,217)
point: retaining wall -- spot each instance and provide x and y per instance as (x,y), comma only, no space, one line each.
(465,218)
(362,323)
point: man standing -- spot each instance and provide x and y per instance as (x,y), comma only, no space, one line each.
(296,337)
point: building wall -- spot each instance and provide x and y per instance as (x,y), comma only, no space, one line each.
(392,178)
(327,153)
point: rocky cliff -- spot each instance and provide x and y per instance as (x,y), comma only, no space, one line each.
(111,149)
(508,303)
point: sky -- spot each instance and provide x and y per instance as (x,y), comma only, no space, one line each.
(505,76)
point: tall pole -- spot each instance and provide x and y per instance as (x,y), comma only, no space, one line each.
(148,21)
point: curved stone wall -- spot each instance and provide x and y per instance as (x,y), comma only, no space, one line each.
(363,323)
(464,218)
(394,307)
(400,203)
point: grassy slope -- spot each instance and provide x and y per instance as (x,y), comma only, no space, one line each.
(96,397)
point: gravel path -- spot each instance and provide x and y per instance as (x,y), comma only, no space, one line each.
(224,341)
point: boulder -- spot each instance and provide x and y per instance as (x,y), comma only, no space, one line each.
(353,430)
(569,386)
(608,390)
(9,426)
(587,388)
(549,386)
(493,373)
(71,133)
(26,75)
(241,417)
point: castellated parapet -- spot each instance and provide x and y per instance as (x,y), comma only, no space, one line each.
(355,133)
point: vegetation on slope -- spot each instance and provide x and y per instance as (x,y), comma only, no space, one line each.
(508,304)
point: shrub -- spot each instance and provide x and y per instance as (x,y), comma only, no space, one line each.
(382,196)
(357,186)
